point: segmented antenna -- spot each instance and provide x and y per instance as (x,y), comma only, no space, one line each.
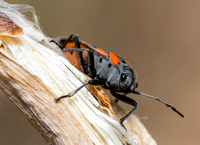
(155,98)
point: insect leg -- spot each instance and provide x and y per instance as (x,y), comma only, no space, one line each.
(116,100)
(74,37)
(91,69)
(126,100)
(56,43)
(76,49)
(88,69)
(92,82)
(90,63)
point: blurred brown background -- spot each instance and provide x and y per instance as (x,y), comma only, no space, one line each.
(160,38)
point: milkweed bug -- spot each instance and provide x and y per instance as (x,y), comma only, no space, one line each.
(107,70)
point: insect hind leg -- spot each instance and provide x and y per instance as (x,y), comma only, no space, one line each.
(64,42)
(76,50)
(75,39)
(56,43)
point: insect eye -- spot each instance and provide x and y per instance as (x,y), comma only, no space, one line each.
(123,77)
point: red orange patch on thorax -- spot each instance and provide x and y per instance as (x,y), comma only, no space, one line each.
(114,59)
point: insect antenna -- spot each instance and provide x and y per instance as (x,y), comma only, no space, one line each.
(157,99)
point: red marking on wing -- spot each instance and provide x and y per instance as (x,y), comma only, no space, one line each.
(73,57)
(72,45)
(93,48)
(8,27)
(114,59)
(102,52)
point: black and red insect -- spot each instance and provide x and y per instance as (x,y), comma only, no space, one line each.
(105,69)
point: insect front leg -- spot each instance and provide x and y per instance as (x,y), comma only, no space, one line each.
(116,100)
(91,82)
(126,100)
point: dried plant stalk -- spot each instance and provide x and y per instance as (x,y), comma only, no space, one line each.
(36,100)
(33,74)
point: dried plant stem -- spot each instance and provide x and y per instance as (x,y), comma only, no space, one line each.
(25,89)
